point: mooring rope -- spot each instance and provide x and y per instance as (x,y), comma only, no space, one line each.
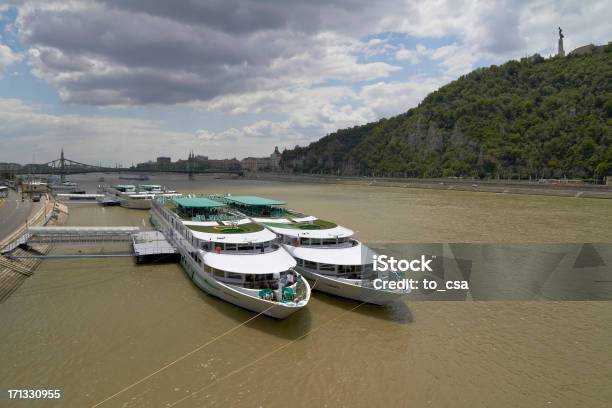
(210,342)
(236,371)
(184,356)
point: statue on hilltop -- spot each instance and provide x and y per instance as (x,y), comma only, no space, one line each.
(561,52)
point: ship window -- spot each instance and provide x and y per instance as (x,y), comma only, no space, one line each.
(368,271)
(304,241)
(310,265)
(346,268)
(230,247)
(329,242)
(327,267)
(219,273)
(231,275)
(299,261)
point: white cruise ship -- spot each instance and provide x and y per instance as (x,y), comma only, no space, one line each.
(139,196)
(231,257)
(325,252)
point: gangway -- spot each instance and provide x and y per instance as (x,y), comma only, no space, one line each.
(148,245)
(19,259)
(80,235)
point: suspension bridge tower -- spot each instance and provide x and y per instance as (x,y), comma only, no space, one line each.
(62,164)
(190,165)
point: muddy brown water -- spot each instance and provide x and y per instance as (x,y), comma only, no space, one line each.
(91,327)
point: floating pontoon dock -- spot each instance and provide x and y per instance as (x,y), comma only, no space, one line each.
(152,246)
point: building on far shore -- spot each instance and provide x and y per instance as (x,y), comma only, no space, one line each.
(254,164)
(223,164)
(9,166)
(164,163)
(193,162)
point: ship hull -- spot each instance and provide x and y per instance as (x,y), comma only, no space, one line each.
(208,284)
(135,204)
(351,289)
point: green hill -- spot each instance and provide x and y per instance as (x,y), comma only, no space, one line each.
(535,117)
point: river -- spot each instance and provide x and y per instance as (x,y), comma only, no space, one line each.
(93,327)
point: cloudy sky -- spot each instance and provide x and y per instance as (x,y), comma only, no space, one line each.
(122,81)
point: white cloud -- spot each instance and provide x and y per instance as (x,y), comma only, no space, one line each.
(319,67)
(127,140)
(288,100)
(455,60)
(138,53)
(311,113)
(85,138)
(7,57)
(413,56)
(386,99)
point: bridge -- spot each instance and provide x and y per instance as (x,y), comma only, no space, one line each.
(63,166)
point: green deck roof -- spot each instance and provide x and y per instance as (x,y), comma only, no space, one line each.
(197,202)
(253,200)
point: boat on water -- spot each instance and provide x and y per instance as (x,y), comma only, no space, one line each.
(57,186)
(137,197)
(81,197)
(324,251)
(230,256)
(108,200)
(142,177)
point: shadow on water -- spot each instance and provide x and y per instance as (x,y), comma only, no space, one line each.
(398,312)
(291,328)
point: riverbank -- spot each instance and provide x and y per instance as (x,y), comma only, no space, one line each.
(14,271)
(488,186)
(26,214)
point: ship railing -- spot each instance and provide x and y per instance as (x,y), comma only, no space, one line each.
(341,245)
(301,291)
(256,251)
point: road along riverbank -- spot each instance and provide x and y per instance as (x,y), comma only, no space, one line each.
(14,271)
(560,188)
(16,216)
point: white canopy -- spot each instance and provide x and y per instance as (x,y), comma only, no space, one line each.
(305,219)
(201,223)
(269,262)
(275,220)
(252,237)
(355,255)
(336,232)
(237,222)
